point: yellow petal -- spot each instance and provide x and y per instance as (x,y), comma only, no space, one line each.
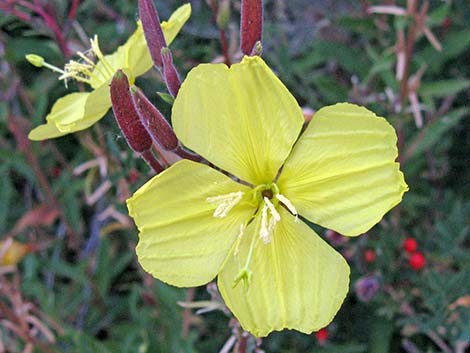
(137,56)
(45,131)
(68,108)
(176,21)
(242,118)
(134,54)
(298,281)
(97,105)
(180,242)
(342,172)
(79,111)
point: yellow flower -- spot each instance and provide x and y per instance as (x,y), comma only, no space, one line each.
(78,111)
(196,222)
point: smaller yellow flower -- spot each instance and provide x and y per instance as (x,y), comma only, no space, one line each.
(78,111)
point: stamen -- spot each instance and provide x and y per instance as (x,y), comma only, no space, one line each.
(272,209)
(272,223)
(264,231)
(225,203)
(95,47)
(85,58)
(286,202)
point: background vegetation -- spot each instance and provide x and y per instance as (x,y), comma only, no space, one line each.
(79,287)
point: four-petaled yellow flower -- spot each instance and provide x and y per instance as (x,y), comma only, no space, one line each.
(196,222)
(78,111)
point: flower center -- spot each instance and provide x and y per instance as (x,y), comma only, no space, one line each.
(267,193)
(86,70)
(267,199)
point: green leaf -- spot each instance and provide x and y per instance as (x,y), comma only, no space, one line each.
(444,88)
(5,197)
(433,132)
(380,335)
(453,46)
(166,97)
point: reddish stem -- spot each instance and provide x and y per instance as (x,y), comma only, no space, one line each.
(152,30)
(222,34)
(73,10)
(224,44)
(152,161)
(251,24)
(50,22)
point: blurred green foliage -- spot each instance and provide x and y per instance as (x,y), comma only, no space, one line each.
(92,290)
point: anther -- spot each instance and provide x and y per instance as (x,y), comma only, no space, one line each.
(225,203)
(264,230)
(286,202)
(276,216)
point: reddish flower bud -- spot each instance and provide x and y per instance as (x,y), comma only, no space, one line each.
(153,31)
(126,116)
(410,245)
(135,133)
(369,255)
(322,335)
(153,121)
(251,24)
(170,74)
(417,261)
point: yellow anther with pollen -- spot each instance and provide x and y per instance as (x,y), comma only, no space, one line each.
(225,203)
(268,223)
(286,202)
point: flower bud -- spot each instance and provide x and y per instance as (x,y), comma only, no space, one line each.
(35,60)
(153,31)
(126,116)
(128,120)
(251,24)
(155,124)
(170,74)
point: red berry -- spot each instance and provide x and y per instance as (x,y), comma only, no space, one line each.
(410,245)
(369,255)
(417,261)
(322,335)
